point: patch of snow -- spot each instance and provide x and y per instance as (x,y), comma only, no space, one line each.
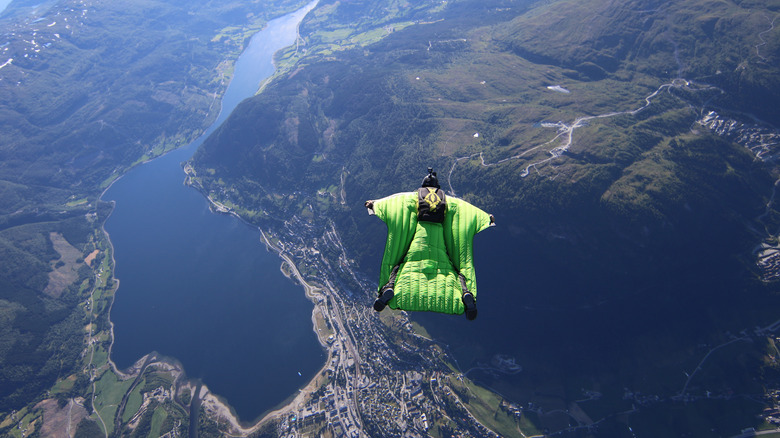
(558,88)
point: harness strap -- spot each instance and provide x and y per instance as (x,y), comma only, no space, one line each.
(391,281)
(469,304)
(463,289)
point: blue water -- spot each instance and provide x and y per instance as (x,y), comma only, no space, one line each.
(201,287)
(4,4)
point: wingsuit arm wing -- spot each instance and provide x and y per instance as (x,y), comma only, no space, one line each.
(399,212)
(462,222)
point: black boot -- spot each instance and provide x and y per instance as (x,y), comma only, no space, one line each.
(470,305)
(385,296)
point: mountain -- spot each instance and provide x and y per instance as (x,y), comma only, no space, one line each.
(622,274)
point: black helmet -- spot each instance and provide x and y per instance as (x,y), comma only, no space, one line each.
(431,180)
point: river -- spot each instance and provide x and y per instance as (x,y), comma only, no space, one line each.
(201,287)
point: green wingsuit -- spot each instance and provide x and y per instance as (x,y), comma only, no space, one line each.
(429,255)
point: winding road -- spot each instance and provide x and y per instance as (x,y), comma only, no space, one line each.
(761,37)
(565,136)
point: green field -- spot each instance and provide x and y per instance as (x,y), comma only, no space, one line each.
(109,391)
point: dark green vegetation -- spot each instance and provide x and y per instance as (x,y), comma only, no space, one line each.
(39,323)
(628,256)
(87,90)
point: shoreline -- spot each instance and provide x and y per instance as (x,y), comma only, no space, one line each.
(220,408)
(213,404)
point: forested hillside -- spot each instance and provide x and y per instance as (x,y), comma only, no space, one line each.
(467,93)
(626,226)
